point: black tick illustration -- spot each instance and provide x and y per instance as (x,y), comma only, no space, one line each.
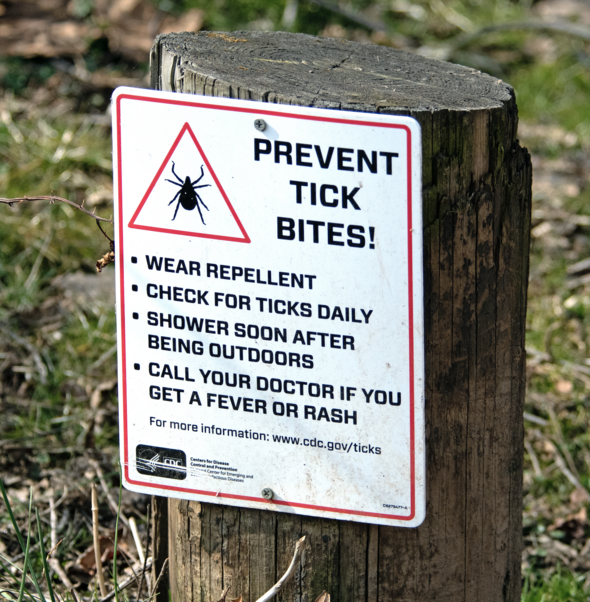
(188,196)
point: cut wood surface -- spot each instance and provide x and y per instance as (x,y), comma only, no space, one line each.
(477,201)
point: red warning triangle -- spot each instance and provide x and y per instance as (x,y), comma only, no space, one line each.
(186,197)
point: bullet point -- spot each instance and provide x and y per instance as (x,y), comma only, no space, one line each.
(136,366)
(135,315)
(134,288)
(134,260)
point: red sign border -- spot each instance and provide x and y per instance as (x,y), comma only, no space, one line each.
(187,128)
(258,110)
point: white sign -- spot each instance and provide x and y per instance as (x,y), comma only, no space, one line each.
(269,293)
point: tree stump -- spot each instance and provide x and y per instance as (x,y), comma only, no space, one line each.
(477,202)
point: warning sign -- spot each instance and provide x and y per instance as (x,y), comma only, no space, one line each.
(188,193)
(270,322)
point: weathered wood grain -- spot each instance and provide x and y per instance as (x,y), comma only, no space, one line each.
(477,198)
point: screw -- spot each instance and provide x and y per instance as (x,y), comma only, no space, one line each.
(260,124)
(268,493)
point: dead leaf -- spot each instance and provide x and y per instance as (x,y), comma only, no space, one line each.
(87,560)
(96,396)
(573,525)
(323,597)
(105,260)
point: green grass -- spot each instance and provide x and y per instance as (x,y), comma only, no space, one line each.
(558,92)
(41,241)
(562,586)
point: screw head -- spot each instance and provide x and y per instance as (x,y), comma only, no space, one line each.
(268,493)
(260,124)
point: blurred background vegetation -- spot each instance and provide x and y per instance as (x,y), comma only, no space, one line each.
(60,61)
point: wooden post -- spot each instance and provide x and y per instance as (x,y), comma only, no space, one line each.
(477,202)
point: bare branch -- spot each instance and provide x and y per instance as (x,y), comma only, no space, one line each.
(571,29)
(278,586)
(111,241)
(41,368)
(53,199)
(162,571)
(352,15)
(101,263)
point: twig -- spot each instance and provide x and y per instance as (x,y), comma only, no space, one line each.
(561,441)
(563,27)
(102,359)
(42,252)
(105,260)
(41,368)
(109,257)
(54,562)
(278,586)
(64,495)
(103,484)
(162,571)
(535,419)
(58,569)
(140,552)
(97,556)
(22,554)
(352,15)
(74,594)
(111,241)
(534,459)
(561,464)
(53,199)
(136,540)
(127,582)
(224,594)
(569,476)
(11,127)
